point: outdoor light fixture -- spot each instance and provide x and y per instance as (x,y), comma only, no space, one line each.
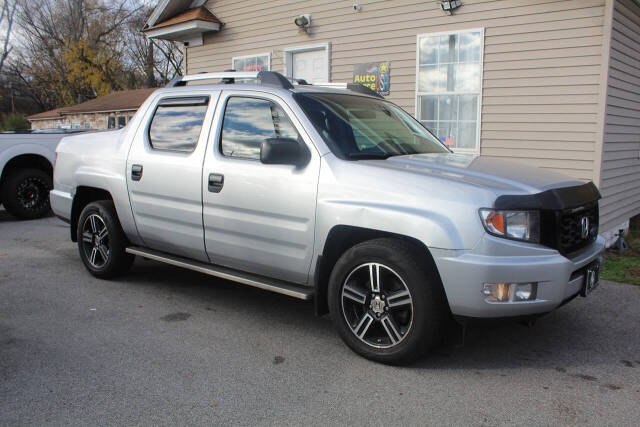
(303,22)
(450,5)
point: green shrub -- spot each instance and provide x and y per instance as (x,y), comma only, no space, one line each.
(14,121)
(625,267)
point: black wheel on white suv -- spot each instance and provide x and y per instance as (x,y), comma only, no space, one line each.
(386,301)
(101,241)
(25,193)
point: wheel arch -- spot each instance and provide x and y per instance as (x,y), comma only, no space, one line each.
(342,237)
(27,160)
(83,196)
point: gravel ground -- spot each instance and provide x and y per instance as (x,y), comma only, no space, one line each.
(168,346)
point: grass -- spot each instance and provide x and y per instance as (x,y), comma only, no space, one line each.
(624,267)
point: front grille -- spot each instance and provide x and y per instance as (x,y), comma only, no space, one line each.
(561,214)
(570,236)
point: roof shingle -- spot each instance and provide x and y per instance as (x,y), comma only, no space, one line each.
(116,101)
(51,114)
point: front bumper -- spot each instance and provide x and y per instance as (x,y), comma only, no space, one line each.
(61,204)
(464,273)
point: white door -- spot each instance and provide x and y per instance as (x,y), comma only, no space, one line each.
(310,65)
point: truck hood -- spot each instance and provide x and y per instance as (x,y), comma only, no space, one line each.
(503,177)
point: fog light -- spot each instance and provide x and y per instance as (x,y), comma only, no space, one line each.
(497,292)
(525,292)
(502,292)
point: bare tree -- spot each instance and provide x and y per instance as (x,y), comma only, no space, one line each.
(157,60)
(168,59)
(73,50)
(68,51)
(7,14)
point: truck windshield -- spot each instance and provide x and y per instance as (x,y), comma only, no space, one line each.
(357,127)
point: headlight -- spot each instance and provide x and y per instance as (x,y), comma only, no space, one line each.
(518,225)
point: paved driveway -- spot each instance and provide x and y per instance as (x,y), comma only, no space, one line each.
(168,346)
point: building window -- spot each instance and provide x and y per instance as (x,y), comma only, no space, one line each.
(260,62)
(449,85)
(111,122)
(122,121)
(248,122)
(87,125)
(177,123)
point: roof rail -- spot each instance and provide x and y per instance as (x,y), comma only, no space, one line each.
(366,90)
(268,78)
(354,87)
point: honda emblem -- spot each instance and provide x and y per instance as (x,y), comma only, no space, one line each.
(584,223)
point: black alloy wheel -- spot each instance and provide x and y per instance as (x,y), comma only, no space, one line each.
(25,193)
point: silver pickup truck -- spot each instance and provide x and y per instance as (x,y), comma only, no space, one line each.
(332,195)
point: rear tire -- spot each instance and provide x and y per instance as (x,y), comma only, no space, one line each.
(400,317)
(25,193)
(102,242)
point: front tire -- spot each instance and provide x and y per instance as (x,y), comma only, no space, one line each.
(386,301)
(101,241)
(25,193)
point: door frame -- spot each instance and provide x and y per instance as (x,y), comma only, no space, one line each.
(141,150)
(215,157)
(287,57)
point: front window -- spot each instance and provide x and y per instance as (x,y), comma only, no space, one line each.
(249,121)
(449,84)
(252,63)
(357,127)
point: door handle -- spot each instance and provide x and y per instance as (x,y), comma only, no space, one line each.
(136,172)
(216,181)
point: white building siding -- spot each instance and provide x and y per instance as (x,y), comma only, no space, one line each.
(542,62)
(620,176)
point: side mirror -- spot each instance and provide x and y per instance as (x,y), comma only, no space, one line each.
(281,151)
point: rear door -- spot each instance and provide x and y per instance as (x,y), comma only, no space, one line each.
(258,218)
(164,173)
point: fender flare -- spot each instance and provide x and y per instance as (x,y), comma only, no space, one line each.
(24,149)
(432,228)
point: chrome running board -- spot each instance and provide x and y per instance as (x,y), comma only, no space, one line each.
(286,288)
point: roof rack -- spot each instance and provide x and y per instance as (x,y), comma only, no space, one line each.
(354,87)
(267,78)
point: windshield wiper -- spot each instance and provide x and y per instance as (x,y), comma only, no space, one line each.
(371,156)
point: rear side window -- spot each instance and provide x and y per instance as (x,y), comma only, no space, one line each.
(177,123)
(248,122)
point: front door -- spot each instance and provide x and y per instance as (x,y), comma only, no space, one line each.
(258,218)
(164,174)
(310,65)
